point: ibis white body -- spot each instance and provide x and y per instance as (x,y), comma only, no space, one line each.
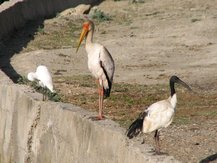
(159,115)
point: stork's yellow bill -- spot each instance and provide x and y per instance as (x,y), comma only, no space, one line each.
(83,34)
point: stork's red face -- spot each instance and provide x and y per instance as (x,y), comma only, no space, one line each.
(85,29)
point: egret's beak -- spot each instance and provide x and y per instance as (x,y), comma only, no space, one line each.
(83,34)
(184,84)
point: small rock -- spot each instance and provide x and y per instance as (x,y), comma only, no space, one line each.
(93,10)
(82,9)
(79,10)
(136,1)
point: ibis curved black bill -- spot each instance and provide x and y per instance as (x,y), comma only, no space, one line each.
(179,81)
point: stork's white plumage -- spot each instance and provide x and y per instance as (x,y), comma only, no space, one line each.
(43,75)
(158,115)
(100,63)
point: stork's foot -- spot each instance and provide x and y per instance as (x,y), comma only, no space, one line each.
(97,118)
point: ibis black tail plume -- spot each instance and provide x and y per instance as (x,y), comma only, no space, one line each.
(136,127)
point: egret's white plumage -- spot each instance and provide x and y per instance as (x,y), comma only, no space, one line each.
(100,63)
(157,116)
(43,76)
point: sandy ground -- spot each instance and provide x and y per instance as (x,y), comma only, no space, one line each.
(159,40)
(149,42)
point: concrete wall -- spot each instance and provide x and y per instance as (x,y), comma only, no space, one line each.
(37,131)
(14,13)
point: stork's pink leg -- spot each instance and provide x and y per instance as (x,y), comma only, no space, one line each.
(101,104)
(100,115)
(101,94)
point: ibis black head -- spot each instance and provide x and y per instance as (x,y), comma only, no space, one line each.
(174,79)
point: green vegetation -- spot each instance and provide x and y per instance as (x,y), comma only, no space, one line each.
(55,36)
(23,80)
(182,120)
(51,96)
(195,20)
(128,100)
(100,16)
(138,1)
(40,29)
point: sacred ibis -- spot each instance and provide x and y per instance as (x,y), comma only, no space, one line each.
(158,115)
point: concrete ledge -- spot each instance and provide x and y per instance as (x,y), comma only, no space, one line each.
(15,13)
(37,131)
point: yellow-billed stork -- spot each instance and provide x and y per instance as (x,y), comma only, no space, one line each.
(158,115)
(100,64)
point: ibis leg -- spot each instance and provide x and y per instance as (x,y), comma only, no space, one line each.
(157,139)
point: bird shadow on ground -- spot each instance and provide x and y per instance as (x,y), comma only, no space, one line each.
(14,43)
(209,158)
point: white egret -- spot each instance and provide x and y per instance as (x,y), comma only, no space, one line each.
(43,76)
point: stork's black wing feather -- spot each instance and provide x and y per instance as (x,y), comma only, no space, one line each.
(108,66)
(106,91)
